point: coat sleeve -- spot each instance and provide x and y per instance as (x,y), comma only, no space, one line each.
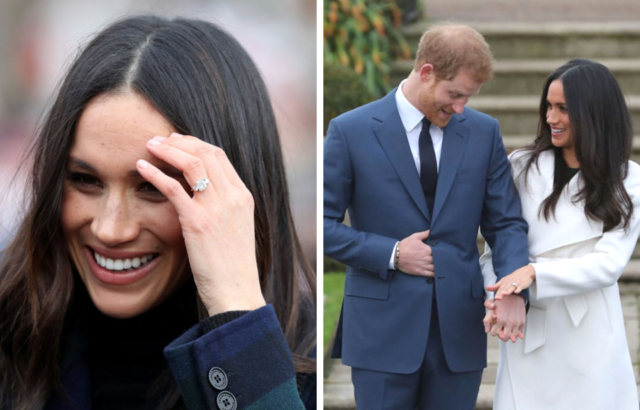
(486,265)
(362,250)
(502,224)
(600,268)
(250,352)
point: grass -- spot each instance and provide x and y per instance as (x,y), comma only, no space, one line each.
(334,289)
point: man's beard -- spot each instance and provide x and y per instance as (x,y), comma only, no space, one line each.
(431,109)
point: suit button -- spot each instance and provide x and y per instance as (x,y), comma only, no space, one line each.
(432,242)
(218,378)
(226,401)
(429,280)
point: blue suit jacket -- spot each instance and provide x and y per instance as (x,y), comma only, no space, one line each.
(251,350)
(369,170)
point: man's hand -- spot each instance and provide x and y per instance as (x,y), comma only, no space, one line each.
(505,318)
(415,256)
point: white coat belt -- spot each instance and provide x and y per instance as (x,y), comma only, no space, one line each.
(536,328)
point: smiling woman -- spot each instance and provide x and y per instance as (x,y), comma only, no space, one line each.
(124,249)
(120,230)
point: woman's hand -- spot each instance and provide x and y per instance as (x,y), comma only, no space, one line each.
(217,223)
(515,282)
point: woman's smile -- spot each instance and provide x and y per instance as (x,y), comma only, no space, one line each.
(121,271)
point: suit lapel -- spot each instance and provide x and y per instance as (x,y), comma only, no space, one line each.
(393,139)
(454,142)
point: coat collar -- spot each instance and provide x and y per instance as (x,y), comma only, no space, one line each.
(569,224)
(392,136)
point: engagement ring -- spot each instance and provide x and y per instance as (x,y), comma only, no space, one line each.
(514,284)
(201,184)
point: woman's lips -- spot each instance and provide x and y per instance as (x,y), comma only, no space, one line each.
(118,277)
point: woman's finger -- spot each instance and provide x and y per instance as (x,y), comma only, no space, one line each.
(229,170)
(496,286)
(168,186)
(214,158)
(191,166)
(508,290)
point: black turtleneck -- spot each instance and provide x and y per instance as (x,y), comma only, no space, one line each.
(126,358)
(126,355)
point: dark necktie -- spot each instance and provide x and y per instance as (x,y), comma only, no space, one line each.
(428,165)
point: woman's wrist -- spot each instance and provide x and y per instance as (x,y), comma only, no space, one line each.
(532,272)
(227,304)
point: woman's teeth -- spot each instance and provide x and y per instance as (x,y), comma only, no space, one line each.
(122,264)
(557,130)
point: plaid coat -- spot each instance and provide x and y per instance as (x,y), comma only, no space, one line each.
(250,352)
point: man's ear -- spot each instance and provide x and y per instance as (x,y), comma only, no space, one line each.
(426,72)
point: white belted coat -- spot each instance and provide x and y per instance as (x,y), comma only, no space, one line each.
(574,354)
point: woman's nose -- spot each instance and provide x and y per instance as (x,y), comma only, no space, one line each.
(113,225)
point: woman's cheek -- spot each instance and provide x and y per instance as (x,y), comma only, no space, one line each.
(166,224)
(75,211)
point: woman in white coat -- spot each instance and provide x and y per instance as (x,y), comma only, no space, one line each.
(580,195)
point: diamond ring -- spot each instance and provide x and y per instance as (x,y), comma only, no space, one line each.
(514,284)
(201,184)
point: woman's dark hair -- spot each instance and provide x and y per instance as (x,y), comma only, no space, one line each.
(204,84)
(602,138)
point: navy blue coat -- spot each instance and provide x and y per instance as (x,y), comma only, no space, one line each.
(251,350)
(369,171)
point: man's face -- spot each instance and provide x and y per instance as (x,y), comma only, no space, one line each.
(440,99)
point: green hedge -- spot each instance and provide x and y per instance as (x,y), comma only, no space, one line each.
(344,90)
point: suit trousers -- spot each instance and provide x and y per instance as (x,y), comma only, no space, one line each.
(432,387)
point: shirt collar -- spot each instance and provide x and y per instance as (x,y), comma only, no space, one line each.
(409,115)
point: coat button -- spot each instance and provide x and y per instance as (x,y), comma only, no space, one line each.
(226,401)
(218,378)
(429,280)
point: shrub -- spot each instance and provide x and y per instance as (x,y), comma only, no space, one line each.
(363,35)
(343,90)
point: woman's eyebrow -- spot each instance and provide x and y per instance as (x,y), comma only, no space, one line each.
(166,169)
(81,164)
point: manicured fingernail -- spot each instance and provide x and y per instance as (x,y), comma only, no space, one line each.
(159,138)
(154,142)
(142,163)
(176,135)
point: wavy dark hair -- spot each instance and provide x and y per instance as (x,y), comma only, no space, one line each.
(205,84)
(602,138)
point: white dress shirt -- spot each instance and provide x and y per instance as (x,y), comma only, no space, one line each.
(411,119)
